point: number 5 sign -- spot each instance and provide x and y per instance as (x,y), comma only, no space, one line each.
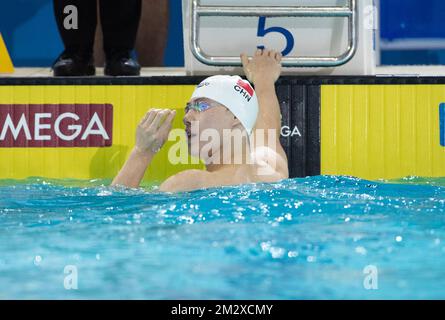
(262,32)
(314,36)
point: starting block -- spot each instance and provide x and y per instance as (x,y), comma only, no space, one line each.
(316,37)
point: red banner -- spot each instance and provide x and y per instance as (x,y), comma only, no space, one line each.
(56,125)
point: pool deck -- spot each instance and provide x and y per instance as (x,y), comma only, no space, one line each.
(383,71)
(46,72)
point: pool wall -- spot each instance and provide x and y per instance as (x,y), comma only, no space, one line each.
(369,127)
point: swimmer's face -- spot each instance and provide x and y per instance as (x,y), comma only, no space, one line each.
(205,118)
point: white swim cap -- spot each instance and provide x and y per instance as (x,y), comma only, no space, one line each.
(235,94)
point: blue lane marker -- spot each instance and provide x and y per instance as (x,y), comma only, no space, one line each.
(442,124)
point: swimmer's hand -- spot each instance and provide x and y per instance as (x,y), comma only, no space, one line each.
(264,66)
(152,132)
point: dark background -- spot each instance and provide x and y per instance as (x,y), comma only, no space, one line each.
(31,36)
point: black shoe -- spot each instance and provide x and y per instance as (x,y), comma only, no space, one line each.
(120,63)
(74,64)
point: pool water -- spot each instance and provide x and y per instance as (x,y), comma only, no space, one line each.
(307,238)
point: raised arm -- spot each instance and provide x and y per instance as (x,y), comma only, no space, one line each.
(263,70)
(151,134)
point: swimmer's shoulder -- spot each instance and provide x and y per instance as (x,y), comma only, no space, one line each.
(194,179)
(186,180)
(270,165)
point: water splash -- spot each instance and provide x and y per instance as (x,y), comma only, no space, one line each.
(299,238)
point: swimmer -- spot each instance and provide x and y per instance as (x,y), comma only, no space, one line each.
(220,104)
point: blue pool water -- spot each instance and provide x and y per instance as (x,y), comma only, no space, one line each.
(306,238)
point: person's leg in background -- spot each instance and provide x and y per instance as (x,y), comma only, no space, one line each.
(153,33)
(152,36)
(120,22)
(77,58)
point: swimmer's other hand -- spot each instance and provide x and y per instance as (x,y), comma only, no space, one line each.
(264,66)
(152,132)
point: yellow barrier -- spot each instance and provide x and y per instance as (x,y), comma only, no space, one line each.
(368,131)
(129,105)
(382,131)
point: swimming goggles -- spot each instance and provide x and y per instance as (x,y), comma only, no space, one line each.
(199,106)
